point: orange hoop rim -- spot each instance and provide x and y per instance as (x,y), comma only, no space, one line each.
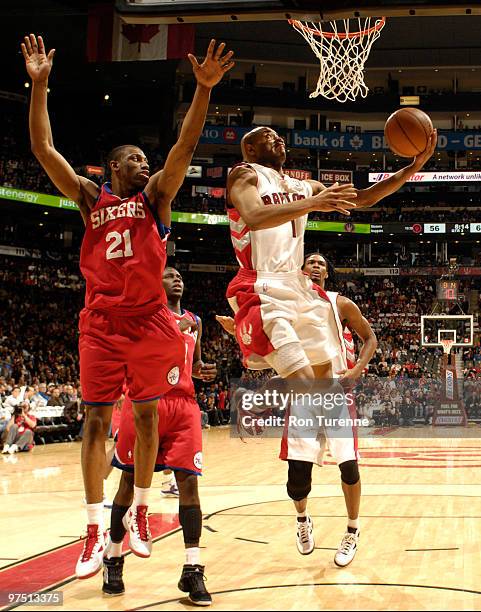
(447,345)
(342,35)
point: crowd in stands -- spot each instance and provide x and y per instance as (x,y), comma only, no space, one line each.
(39,375)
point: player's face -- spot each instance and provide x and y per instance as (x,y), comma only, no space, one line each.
(316,268)
(173,283)
(270,147)
(133,168)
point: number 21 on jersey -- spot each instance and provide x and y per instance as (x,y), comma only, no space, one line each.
(115,240)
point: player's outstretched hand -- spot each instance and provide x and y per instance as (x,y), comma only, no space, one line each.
(227,323)
(205,371)
(215,65)
(336,198)
(423,157)
(37,62)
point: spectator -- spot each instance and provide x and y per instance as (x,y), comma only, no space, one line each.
(20,430)
(55,399)
(13,400)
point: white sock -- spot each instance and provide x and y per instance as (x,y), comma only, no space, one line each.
(302,514)
(141,496)
(95,515)
(354,523)
(169,479)
(192,555)
(115,550)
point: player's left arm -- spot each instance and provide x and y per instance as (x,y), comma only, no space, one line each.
(352,317)
(372,195)
(204,371)
(164,185)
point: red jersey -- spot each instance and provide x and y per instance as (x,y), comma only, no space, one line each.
(123,255)
(185,386)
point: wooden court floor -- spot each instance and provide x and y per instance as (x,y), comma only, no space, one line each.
(420,545)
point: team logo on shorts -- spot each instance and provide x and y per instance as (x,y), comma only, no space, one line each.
(246,333)
(198,460)
(173,375)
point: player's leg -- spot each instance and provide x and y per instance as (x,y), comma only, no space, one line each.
(169,484)
(146,419)
(108,470)
(343,447)
(190,516)
(113,559)
(299,480)
(96,426)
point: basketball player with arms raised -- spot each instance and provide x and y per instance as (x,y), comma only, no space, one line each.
(280,319)
(179,449)
(126,330)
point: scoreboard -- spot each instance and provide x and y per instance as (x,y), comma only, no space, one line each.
(447,290)
(452,228)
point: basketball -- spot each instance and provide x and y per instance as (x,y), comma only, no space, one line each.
(407,131)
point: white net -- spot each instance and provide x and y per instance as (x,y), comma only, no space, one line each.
(447,345)
(342,49)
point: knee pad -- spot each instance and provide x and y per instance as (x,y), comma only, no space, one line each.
(349,472)
(299,479)
(190,517)
(287,359)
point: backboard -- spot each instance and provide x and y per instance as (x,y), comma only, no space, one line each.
(458,328)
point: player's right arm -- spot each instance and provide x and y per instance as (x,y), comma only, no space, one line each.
(244,195)
(77,188)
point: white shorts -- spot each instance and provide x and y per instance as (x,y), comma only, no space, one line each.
(273,310)
(305,436)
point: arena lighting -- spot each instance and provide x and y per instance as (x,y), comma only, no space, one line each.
(26,85)
(409,101)
(106,97)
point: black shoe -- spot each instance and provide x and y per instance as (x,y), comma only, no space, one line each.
(192,582)
(113,583)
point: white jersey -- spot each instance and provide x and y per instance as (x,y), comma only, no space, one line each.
(277,249)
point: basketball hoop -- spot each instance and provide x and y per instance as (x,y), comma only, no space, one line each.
(447,345)
(342,54)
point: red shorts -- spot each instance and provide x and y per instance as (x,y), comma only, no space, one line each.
(148,352)
(180,436)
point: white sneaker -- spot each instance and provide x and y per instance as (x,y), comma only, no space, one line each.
(170,490)
(5,448)
(305,536)
(90,561)
(13,449)
(136,523)
(347,549)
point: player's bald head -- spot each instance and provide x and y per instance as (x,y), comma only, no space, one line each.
(250,139)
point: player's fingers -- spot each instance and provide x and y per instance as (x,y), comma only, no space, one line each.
(50,55)
(225,58)
(33,41)
(24,51)
(28,45)
(219,50)
(210,48)
(41,46)
(228,66)
(193,60)
(344,203)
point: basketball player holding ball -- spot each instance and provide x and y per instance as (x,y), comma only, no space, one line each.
(280,319)
(126,330)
